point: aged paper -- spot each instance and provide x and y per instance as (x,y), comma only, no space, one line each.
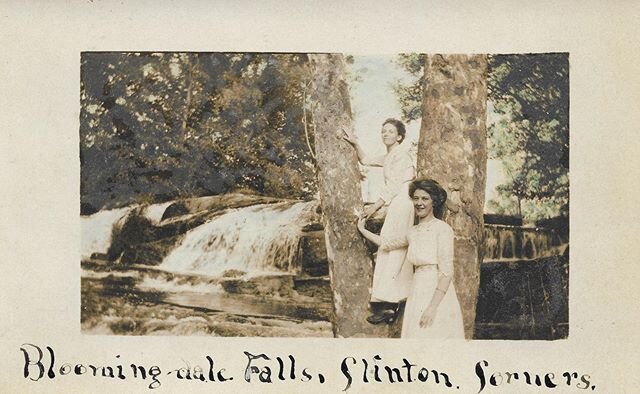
(40,225)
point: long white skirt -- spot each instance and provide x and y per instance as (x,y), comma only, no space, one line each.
(392,276)
(448,321)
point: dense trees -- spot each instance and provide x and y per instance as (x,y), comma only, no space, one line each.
(531,136)
(529,133)
(156,126)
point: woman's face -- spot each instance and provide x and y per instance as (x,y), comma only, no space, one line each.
(422,203)
(390,135)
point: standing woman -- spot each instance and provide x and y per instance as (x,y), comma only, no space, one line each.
(432,310)
(391,278)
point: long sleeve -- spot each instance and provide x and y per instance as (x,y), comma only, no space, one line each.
(399,169)
(391,243)
(445,251)
(373,161)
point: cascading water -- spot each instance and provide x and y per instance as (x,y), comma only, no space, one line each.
(154,212)
(513,243)
(96,230)
(257,239)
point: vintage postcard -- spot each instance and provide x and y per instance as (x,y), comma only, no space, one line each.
(202,213)
(242,198)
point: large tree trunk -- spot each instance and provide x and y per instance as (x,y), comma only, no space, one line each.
(340,196)
(453,151)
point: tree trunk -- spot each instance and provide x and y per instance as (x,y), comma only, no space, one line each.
(350,265)
(187,106)
(453,151)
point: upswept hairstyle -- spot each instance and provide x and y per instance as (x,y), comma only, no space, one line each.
(402,131)
(437,193)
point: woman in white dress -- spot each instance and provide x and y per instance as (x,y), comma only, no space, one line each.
(432,309)
(391,278)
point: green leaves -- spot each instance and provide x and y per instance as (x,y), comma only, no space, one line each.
(531,93)
(528,128)
(207,122)
(410,96)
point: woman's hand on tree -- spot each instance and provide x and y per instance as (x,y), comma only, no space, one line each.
(348,136)
(375,238)
(362,220)
(428,316)
(369,210)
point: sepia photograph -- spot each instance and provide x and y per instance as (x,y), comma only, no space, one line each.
(257,194)
(319,197)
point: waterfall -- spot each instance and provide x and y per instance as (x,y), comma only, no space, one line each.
(491,243)
(512,243)
(154,212)
(96,230)
(256,239)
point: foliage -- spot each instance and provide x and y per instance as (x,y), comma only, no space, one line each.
(158,126)
(410,96)
(530,94)
(529,99)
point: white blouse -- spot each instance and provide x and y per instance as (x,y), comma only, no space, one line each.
(398,167)
(429,243)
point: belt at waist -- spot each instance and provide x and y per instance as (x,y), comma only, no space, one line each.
(424,267)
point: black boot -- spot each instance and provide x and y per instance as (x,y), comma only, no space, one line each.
(383,312)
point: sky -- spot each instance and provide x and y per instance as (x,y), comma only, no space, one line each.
(373,101)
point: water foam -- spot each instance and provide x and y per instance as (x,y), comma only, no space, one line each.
(96,230)
(154,212)
(256,240)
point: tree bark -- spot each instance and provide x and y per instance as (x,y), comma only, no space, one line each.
(187,106)
(453,151)
(350,265)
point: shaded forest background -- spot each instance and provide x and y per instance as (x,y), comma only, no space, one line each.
(161,126)
(527,127)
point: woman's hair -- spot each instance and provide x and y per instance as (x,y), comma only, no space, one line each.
(402,131)
(437,193)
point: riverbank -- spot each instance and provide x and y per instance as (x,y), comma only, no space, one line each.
(131,302)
